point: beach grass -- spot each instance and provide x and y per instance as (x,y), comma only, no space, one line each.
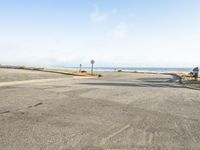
(70,72)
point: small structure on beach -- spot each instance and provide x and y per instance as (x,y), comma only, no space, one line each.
(196,73)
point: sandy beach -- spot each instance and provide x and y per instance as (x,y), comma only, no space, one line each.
(121,111)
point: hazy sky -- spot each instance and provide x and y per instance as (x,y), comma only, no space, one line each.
(137,33)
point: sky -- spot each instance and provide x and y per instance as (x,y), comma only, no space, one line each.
(123,33)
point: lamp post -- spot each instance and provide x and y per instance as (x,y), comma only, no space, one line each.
(92,62)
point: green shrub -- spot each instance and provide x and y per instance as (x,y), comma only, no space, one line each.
(22,67)
(119,70)
(99,75)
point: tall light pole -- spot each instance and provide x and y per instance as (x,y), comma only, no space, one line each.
(92,62)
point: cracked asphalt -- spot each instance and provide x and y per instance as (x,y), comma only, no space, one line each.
(120,111)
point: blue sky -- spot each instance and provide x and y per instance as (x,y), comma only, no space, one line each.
(137,33)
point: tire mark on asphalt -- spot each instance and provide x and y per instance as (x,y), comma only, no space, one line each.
(5,112)
(35,105)
(8,111)
(104,140)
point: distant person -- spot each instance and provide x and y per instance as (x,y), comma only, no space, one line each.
(196,73)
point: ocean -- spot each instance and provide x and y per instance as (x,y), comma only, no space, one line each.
(133,69)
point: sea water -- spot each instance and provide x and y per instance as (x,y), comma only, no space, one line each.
(133,69)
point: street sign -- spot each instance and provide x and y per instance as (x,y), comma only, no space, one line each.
(92,62)
(80,68)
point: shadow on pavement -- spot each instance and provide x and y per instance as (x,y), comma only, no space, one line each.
(136,85)
(155,80)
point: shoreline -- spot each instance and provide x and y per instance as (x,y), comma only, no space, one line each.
(179,76)
(175,77)
(66,71)
(108,69)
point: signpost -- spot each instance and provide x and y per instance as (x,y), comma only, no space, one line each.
(92,62)
(80,68)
